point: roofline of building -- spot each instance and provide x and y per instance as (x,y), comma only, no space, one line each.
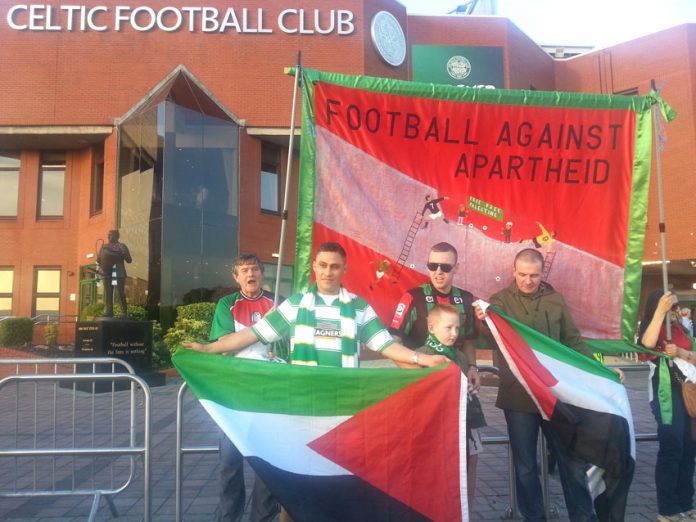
(181,68)
(54,130)
(272,131)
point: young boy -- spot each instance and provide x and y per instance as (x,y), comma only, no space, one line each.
(443,325)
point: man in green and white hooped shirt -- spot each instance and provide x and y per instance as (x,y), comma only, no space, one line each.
(325,325)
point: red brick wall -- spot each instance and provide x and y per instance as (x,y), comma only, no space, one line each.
(259,231)
(91,78)
(457,30)
(29,242)
(94,227)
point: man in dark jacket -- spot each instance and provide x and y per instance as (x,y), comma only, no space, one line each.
(535,303)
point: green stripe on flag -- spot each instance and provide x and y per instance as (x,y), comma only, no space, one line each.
(265,387)
(551,348)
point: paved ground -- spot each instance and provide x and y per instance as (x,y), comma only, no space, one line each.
(200,470)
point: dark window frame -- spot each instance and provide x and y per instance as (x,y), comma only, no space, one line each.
(35,294)
(8,295)
(50,165)
(270,164)
(96,186)
(18,171)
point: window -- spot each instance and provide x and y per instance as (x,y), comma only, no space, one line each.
(269,278)
(9,184)
(46,293)
(96,197)
(6,280)
(270,177)
(51,185)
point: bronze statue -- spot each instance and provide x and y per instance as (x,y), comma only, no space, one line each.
(111,259)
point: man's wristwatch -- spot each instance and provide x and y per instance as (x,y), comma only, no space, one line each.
(472,366)
(415,358)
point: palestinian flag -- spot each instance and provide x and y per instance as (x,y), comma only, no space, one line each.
(584,400)
(343,444)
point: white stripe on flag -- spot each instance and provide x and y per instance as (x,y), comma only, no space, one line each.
(279,439)
(591,392)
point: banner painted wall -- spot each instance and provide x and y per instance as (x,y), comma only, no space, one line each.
(389,168)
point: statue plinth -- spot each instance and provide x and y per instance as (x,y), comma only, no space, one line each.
(120,338)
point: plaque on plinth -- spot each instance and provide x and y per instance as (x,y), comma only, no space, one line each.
(120,338)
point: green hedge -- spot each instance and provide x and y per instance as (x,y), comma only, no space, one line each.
(16,331)
(97,310)
(161,358)
(192,324)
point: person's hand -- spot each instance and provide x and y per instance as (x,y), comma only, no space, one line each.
(430,361)
(622,377)
(480,314)
(474,379)
(672,350)
(198,347)
(667,301)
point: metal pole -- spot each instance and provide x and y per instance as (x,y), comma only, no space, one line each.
(661,203)
(288,174)
(179,454)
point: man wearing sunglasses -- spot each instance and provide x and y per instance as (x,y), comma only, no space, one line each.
(410,324)
(410,327)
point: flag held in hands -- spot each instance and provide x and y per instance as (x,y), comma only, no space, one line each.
(343,444)
(584,400)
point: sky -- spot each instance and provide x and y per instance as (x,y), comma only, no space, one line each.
(596,23)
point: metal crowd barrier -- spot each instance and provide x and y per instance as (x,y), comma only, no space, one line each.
(552,511)
(68,429)
(182,450)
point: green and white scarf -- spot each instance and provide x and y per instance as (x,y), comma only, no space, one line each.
(304,350)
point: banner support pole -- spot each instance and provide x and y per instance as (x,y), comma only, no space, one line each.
(288,177)
(661,203)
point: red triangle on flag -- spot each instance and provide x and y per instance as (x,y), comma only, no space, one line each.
(408,445)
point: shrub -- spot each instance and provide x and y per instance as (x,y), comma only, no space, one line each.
(16,331)
(136,312)
(192,323)
(161,357)
(51,334)
(197,312)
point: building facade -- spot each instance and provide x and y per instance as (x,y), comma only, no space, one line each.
(170,123)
